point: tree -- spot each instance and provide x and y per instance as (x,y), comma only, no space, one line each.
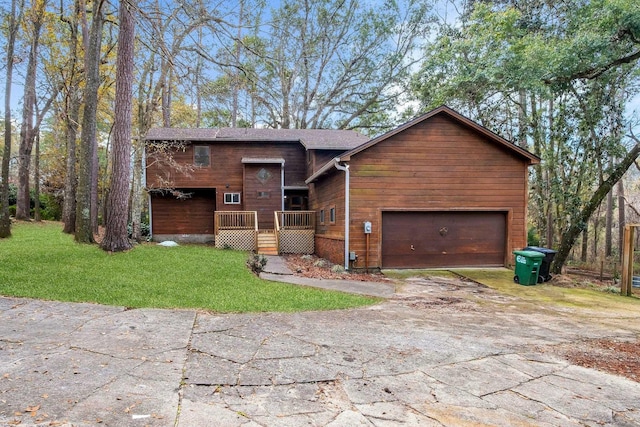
(116,235)
(553,76)
(330,63)
(70,113)
(87,152)
(28,128)
(15,18)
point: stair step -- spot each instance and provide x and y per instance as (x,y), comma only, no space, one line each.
(270,251)
(267,243)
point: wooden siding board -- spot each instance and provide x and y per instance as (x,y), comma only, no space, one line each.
(189,216)
(226,165)
(436,165)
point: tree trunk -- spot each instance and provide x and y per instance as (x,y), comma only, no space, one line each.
(579,220)
(71,178)
(71,120)
(116,236)
(621,216)
(608,225)
(27,131)
(585,243)
(36,181)
(137,191)
(14,23)
(84,230)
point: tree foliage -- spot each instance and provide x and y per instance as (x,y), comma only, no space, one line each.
(553,76)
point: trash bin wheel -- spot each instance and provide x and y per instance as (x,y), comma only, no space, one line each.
(540,279)
(516,279)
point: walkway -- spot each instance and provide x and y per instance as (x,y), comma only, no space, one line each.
(440,352)
(277,270)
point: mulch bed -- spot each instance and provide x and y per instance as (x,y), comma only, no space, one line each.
(318,268)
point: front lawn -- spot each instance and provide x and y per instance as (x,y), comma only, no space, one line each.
(39,261)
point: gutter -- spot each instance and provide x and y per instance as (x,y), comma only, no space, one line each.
(345,169)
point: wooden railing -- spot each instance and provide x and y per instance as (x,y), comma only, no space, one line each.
(235,220)
(295,220)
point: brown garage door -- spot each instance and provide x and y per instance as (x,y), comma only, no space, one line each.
(190,215)
(443,239)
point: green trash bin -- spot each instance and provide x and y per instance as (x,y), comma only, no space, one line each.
(527,267)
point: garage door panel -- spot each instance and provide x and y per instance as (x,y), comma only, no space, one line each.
(443,239)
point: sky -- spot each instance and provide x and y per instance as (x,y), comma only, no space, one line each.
(445,10)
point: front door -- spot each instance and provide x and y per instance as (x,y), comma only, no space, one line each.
(263,191)
(296,200)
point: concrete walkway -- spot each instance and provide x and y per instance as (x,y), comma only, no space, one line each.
(438,353)
(277,270)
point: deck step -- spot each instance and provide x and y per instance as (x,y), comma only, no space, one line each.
(267,243)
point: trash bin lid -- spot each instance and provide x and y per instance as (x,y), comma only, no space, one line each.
(529,254)
(539,249)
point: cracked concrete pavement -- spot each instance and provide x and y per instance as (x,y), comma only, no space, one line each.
(440,352)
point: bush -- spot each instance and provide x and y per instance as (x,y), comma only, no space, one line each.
(50,207)
(256,263)
(533,238)
(337,268)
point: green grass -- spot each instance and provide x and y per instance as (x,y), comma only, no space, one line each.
(501,279)
(39,261)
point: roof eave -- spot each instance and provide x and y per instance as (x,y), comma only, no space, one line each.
(323,170)
(532,158)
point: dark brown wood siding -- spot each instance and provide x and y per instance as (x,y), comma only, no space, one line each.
(193,215)
(443,239)
(436,165)
(226,169)
(326,193)
(319,158)
(263,191)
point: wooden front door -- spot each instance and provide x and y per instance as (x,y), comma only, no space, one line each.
(263,191)
(443,239)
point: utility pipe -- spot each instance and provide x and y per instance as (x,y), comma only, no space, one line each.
(345,169)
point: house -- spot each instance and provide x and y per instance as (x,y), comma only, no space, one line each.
(192,173)
(438,191)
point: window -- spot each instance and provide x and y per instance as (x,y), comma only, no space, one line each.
(231,198)
(201,155)
(332,215)
(322,216)
(263,195)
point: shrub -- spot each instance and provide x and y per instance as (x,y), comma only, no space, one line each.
(533,238)
(337,268)
(256,262)
(144,229)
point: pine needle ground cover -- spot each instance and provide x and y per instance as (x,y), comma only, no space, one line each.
(39,261)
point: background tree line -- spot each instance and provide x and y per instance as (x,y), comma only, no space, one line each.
(554,76)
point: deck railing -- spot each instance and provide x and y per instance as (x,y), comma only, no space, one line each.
(295,220)
(235,220)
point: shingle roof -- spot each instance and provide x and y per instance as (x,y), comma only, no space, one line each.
(312,139)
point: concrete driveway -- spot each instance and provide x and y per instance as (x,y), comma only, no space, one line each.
(441,352)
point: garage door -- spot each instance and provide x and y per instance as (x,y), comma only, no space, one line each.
(443,239)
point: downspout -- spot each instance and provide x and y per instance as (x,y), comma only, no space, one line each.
(345,169)
(282,186)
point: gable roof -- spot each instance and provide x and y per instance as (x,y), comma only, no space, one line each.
(459,118)
(311,139)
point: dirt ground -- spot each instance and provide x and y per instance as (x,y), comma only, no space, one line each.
(615,357)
